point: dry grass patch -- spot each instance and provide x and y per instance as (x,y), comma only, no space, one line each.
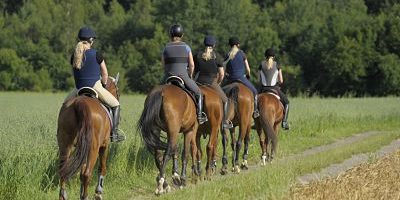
(377,180)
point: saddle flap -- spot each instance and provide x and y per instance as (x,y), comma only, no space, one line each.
(88,91)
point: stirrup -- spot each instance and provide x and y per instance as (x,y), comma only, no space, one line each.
(117,137)
(202,118)
(256,114)
(285,125)
(227,124)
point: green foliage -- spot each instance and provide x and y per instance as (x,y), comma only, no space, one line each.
(330,42)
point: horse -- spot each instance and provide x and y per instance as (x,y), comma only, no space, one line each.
(170,109)
(267,125)
(240,113)
(213,108)
(84,123)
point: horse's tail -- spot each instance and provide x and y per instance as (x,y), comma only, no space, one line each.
(150,122)
(269,129)
(84,138)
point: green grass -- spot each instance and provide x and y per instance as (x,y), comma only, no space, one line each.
(28,148)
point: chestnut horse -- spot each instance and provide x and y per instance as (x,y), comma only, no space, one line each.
(240,113)
(267,125)
(213,109)
(84,123)
(170,109)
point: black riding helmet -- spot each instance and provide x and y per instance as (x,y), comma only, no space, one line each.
(176,30)
(233,41)
(86,33)
(269,53)
(209,41)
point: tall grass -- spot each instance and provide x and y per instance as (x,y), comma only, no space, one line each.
(28,148)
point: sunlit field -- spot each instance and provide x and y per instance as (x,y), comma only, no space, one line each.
(28,148)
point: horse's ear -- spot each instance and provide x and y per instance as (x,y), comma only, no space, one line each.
(117,79)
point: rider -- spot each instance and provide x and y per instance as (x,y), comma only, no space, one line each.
(175,59)
(209,70)
(270,77)
(88,64)
(238,69)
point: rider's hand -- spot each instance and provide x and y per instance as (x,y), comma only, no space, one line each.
(248,76)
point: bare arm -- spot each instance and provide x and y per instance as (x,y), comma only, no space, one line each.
(247,68)
(280,77)
(191,65)
(104,72)
(221,75)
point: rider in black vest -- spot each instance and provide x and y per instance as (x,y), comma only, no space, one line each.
(209,71)
(176,58)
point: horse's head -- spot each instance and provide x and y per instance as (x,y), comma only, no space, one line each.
(112,86)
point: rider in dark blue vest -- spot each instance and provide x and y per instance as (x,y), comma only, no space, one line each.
(238,69)
(90,70)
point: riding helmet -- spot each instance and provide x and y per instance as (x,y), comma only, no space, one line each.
(233,41)
(86,33)
(209,41)
(176,30)
(269,52)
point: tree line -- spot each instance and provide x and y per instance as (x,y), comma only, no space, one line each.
(325,47)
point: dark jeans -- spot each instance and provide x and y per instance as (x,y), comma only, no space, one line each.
(246,82)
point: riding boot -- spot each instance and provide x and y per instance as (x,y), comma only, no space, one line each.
(285,124)
(201,116)
(115,136)
(227,124)
(256,113)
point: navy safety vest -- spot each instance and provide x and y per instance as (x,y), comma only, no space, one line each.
(236,66)
(89,73)
(176,58)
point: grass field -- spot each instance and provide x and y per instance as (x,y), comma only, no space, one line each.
(28,148)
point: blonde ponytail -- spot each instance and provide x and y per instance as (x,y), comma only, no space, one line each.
(208,54)
(269,62)
(80,49)
(233,52)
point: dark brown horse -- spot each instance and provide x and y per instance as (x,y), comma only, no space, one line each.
(267,125)
(170,109)
(213,109)
(84,123)
(241,109)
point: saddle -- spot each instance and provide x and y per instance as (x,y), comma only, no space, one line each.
(178,81)
(90,92)
(270,90)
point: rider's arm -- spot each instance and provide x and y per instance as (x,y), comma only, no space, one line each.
(221,74)
(247,68)
(104,73)
(191,65)
(280,77)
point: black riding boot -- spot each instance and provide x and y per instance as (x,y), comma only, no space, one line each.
(226,123)
(115,136)
(201,116)
(256,113)
(285,124)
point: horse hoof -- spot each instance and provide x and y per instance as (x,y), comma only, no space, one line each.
(98,197)
(224,171)
(176,179)
(244,165)
(236,169)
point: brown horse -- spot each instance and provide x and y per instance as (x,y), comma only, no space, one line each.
(170,109)
(267,125)
(241,109)
(213,109)
(83,123)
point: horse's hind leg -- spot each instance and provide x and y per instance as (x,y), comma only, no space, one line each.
(103,154)
(224,139)
(211,147)
(262,139)
(199,155)
(63,159)
(246,149)
(87,170)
